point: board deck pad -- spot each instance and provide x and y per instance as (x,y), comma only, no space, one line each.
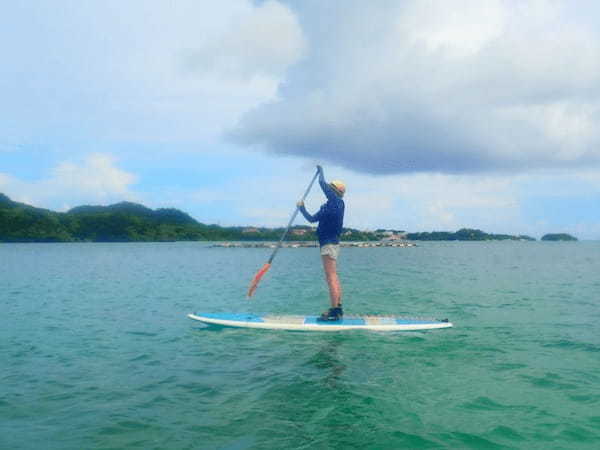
(310,323)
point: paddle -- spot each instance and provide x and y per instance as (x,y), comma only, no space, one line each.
(267,266)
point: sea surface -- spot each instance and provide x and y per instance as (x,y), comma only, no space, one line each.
(96,351)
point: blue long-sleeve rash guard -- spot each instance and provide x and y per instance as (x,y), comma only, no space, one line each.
(330,216)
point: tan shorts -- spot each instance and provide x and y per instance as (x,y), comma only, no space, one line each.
(331,250)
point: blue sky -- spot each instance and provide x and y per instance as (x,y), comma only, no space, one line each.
(438,115)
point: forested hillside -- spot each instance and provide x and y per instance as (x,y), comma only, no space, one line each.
(130,222)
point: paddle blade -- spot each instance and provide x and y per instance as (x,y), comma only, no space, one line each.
(256,279)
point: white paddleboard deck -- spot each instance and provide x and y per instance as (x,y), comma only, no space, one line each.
(310,323)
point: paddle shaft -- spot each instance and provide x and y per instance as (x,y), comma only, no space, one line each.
(292,218)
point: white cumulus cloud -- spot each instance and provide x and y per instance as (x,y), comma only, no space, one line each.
(141,70)
(95,179)
(263,40)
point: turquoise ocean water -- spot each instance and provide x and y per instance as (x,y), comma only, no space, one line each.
(96,351)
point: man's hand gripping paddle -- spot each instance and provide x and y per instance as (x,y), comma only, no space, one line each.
(267,266)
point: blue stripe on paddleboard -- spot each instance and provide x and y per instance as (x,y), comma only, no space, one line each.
(233,317)
(312,320)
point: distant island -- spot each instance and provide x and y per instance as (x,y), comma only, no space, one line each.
(465,234)
(132,222)
(558,237)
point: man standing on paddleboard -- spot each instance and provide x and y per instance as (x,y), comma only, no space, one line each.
(331,219)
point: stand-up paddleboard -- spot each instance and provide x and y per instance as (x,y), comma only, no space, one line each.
(310,323)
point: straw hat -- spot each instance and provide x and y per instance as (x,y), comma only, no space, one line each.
(339,187)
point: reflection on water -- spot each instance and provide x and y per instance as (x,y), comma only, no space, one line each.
(327,357)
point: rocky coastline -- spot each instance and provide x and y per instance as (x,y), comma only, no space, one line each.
(312,244)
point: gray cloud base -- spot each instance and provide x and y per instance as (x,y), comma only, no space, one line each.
(386,94)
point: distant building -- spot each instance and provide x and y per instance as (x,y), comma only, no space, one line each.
(250,230)
(299,232)
(392,236)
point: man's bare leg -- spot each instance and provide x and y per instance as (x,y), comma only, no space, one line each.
(335,290)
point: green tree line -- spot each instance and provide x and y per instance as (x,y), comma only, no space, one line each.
(131,222)
(465,234)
